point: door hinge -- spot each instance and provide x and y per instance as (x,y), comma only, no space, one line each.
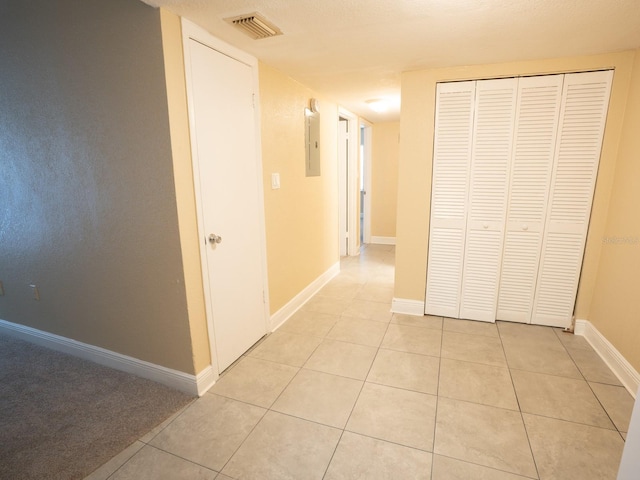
(253,100)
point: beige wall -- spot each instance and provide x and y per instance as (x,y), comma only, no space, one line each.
(184,187)
(89,210)
(416,149)
(615,308)
(384,178)
(302,216)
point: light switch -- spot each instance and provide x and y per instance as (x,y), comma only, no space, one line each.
(275,181)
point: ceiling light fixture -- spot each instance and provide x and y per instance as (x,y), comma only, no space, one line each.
(378,105)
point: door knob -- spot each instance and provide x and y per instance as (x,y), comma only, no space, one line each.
(213,238)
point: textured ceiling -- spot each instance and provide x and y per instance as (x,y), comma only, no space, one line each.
(354,50)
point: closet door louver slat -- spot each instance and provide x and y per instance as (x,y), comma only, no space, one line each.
(450,183)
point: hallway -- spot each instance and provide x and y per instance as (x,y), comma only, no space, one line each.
(345,389)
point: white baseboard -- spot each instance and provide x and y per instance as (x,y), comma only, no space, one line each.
(627,375)
(205,380)
(408,307)
(292,306)
(383,240)
(191,384)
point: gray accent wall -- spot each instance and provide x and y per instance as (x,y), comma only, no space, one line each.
(87,197)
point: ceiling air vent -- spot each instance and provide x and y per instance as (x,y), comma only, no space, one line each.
(255,26)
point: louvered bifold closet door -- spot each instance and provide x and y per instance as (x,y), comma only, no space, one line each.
(585,99)
(489,183)
(449,191)
(533,150)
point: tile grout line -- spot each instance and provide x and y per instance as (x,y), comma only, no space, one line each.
(356,402)
(266,410)
(163,451)
(524,425)
(435,417)
(485,466)
(169,421)
(591,389)
(269,409)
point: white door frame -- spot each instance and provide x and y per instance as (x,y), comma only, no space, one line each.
(366,160)
(192,31)
(350,204)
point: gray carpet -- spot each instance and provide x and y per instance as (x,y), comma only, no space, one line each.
(62,417)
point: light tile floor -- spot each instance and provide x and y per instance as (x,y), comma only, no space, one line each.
(345,390)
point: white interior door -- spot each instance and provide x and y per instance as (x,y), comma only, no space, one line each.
(228,185)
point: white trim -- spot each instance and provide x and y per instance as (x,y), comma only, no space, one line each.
(205,380)
(191,384)
(622,369)
(383,240)
(408,307)
(292,306)
(193,31)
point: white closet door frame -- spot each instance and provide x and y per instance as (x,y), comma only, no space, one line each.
(535,136)
(495,107)
(585,101)
(449,196)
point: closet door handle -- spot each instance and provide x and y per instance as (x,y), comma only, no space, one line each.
(525,227)
(485,226)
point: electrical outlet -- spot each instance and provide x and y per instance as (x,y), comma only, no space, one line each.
(36,292)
